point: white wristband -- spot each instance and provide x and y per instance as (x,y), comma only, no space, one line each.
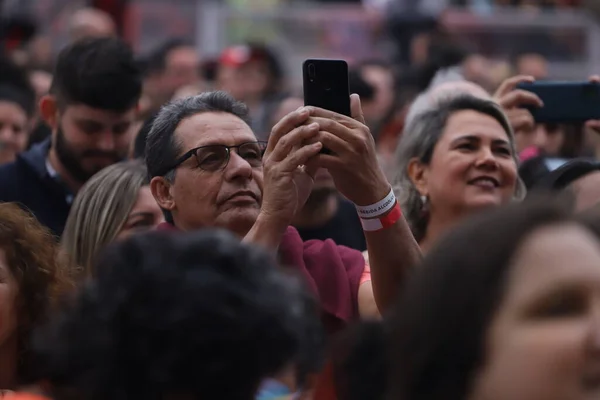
(379,208)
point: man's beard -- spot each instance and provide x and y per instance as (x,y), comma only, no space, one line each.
(72,161)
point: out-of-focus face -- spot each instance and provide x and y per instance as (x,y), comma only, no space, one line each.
(548,138)
(14,134)
(41,82)
(533,65)
(144,216)
(382,80)
(182,68)
(87,140)
(9,291)
(285,107)
(544,341)
(472,166)
(229,198)
(246,82)
(230,80)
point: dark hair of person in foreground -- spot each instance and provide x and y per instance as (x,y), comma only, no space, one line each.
(180,316)
(434,343)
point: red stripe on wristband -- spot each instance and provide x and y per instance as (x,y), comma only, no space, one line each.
(377,224)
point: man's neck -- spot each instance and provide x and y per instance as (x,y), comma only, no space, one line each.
(8,363)
(72,184)
(317,214)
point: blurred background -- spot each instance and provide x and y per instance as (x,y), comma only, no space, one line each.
(565,32)
(255,48)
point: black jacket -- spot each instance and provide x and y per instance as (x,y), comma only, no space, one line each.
(28,182)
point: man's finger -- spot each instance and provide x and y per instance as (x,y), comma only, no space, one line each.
(300,157)
(333,142)
(293,139)
(595,78)
(327,114)
(286,125)
(312,166)
(510,84)
(335,127)
(356,108)
(593,124)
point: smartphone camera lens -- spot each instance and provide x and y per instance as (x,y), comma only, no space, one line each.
(312,71)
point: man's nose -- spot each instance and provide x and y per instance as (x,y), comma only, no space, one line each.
(106,142)
(237,167)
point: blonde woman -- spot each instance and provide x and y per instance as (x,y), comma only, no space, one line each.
(114,204)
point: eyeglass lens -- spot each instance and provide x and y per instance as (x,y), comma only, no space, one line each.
(213,158)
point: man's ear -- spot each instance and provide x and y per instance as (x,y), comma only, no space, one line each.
(49,110)
(161,190)
(419,175)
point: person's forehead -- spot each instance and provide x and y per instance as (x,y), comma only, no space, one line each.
(12,108)
(471,122)
(546,256)
(213,128)
(182,54)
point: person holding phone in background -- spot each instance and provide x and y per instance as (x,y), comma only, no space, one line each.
(525,105)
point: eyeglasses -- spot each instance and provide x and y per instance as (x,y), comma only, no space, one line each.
(215,157)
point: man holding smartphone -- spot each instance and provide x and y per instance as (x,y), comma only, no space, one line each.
(208,170)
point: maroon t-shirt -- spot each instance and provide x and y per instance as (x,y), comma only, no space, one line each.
(333,273)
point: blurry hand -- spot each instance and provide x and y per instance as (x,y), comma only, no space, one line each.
(594,124)
(353,164)
(289,167)
(512,100)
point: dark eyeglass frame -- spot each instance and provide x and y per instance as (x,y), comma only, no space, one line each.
(193,152)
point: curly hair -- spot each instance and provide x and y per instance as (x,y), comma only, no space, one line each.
(30,251)
(197,314)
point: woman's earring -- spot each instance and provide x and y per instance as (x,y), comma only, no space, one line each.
(424,203)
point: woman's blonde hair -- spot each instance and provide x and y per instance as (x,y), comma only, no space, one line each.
(99,212)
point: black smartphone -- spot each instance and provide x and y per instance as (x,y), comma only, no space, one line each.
(564,102)
(326,86)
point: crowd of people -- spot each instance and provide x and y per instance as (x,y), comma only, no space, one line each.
(172,228)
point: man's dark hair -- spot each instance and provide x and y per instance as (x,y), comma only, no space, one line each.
(15,86)
(12,94)
(100,73)
(156,61)
(163,148)
(199,315)
(139,146)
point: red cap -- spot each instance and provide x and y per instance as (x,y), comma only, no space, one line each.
(236,56)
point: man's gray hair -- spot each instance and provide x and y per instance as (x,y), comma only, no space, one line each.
(419,140)
(163,148)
